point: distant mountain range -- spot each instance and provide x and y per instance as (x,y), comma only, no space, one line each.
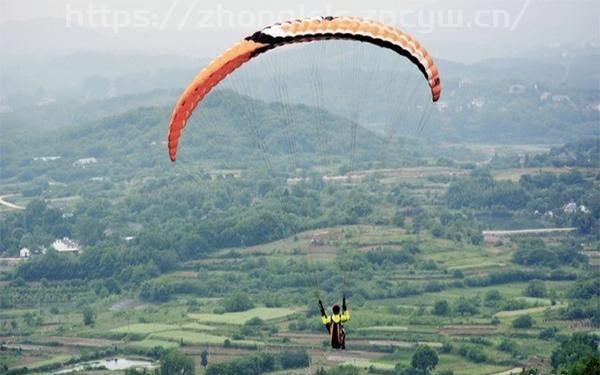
(553,98)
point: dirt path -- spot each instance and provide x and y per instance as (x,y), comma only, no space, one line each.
(468,329)
(8,204)
(128,304)
(81,341)
(526,231)
(513,371)
(352,355)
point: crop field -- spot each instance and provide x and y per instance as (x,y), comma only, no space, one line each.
(392,293)
(239,318)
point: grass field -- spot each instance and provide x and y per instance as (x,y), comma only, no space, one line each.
(144,329)
(389,323)
(152,343)
(187,337)
(530,311)
(384,329)
(239,318)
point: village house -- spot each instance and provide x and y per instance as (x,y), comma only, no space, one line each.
(478,103)
(85,162)
(572,207)
(561,99)
(66,246)
(516,89)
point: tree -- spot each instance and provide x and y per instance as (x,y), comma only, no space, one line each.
(88,230)
(547,333)
(492,298)
(175,362)
(508,346)
(585,366)
(237,302)
(409,371)
(294,359)
(535,288)
(473,353)
(398,219)
(578,347)
(466,307)
(586,288)
(524,321)
(34,212)
(88,316)
(437,231)
(204,359)
(343,370)
(424,359)
(441,308)
(133,371)
(156,291)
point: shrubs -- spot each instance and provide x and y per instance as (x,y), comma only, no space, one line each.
(523,322)
(156,291)
(237,302)
(424,359)
(466,306)
(508,346)
(472,353)
(88,316)
(548,333)
(434,286)
(535,288)
(511,276)
(441,308)
(446,348)
(535,252)
(175,362)
(578,348)
(586,288)
(261,363)
(493,296)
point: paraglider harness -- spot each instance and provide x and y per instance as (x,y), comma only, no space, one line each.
(335,328)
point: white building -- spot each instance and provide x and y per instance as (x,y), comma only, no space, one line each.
(561,98)
(545,96)
(85,162)
(46,158)
(516,89)
(570,208)
(478,102)
(66,245)
(24,253)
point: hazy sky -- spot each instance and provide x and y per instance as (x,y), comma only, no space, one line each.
(455,29)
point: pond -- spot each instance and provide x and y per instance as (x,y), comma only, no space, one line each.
(113,364)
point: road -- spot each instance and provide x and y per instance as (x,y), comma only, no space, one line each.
(8,204)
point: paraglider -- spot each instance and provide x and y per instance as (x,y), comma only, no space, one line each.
(304,31)
(298,31)
(334,323)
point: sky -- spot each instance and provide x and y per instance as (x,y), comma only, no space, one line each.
(460,30)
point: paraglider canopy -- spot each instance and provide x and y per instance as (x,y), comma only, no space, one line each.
(298,31)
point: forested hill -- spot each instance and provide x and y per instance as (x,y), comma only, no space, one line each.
(230,130)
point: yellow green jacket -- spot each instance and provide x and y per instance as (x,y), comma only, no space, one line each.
(336,318)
